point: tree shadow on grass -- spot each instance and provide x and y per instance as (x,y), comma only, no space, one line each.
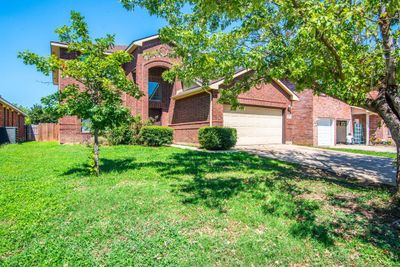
(212,179)
(106,166)
(212,183)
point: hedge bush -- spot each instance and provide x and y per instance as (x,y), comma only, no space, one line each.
(128,133)
(217,138)
(156,135)
(121,135)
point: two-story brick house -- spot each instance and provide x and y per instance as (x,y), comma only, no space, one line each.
(261,121)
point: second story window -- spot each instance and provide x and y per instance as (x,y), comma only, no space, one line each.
(85,126)
(155,92)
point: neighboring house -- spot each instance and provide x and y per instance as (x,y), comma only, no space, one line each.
(12,123)
(325,121)
(188,108)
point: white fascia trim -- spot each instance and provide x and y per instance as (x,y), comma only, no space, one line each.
(220,82)
(140,42)
(56,44)
(293,96)
(365,110)
(183,94)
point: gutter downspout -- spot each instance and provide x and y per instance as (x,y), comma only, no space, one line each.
(211,106)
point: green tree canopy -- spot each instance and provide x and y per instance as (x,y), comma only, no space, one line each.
(99,78)
(345,49)
(46,112)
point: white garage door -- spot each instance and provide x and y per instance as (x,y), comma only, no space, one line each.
(255,125)
(325,132)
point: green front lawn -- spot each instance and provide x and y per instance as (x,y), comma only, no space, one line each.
(365,152)
(166,206)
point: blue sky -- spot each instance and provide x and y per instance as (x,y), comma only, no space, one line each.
(30,24)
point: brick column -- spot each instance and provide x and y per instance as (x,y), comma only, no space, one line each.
(218,110)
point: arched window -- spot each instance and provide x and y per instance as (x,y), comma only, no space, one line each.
(155,92)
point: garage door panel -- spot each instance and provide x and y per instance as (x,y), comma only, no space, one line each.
(325,132)
(254,111)
(255,125)
(251,123)
(251,131)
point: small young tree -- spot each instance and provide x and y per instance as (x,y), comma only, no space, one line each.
(100,79)
(345,49)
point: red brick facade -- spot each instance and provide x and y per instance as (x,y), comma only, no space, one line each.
(11,117)
(379,129)
(185,115)
(192,113)
(309,109)
(70,126)
(301,122)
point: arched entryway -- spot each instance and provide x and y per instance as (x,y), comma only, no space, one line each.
(159,95)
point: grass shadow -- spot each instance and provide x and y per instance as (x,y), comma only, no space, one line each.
(212,184)
(106,166)
(212,179)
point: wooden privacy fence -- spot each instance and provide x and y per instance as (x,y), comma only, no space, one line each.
(49,132)
(43,132)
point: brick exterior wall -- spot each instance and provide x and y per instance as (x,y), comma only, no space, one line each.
(266,95)
(302,123)
(378,128)
(309,109)
(70,126)
(21,128)
(187,115)
(186,122)
(10,117)
(70,131)
(2,116)
(200,103)
(328,107)
(147,62)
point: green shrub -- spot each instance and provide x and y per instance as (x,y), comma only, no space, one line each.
(156,135)
(121,135)
(217,138)
(129,133)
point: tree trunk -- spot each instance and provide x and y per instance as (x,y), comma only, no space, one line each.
(392,122)
(96,153)
(397,195)
(387,111)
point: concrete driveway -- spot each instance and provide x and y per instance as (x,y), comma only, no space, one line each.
(362,167)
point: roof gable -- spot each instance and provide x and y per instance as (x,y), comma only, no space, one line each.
(139,42)
(217,83)
(6,103)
